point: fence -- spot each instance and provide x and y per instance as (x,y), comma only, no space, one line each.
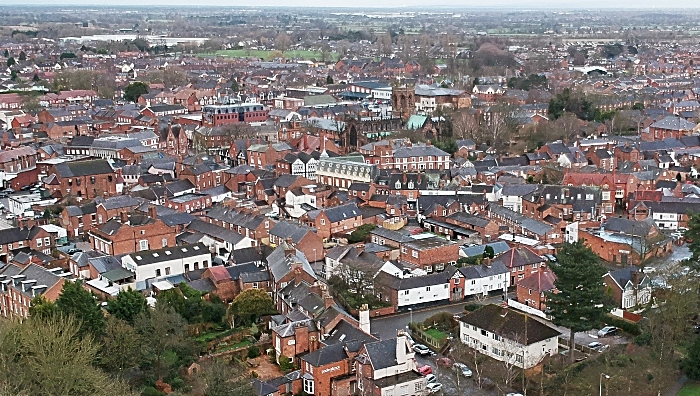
(417,332)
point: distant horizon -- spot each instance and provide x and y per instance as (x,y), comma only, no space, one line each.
(418,5)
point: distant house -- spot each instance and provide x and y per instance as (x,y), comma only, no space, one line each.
(629,288)
(531,290)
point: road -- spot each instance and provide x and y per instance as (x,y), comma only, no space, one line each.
(386,327)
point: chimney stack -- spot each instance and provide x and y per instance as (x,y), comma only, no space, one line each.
(124,217)
(327,298)
(364,319)
(152,212)
(401,348)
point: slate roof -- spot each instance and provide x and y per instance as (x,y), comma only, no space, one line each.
(510,324)
(215,231)
(287,329)
(541,281)
(483,271)
(246,255)
(629,227)
(673,123)
(382,354)
(280,263)
(337,213)
(517,257)
(84,168)
(285,229)
(391,235)
(147,257)
(326,355)
(498,248)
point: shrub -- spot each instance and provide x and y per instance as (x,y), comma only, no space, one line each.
(286,363)
(151,391)
(642,339)
(472,307)
(628,327)
(177,383)
(253,352)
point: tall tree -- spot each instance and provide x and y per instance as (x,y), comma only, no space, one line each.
(22,56)
(133,91)
(580,301)
(218,381)
(691,363)
(11,62)
(252,304)
(692,235)
(50,357)
(79,303)
(121,346)
(42,308)
(127,305)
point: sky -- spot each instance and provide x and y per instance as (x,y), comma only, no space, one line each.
(508,4)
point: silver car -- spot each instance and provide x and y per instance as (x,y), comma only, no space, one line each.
(463,369)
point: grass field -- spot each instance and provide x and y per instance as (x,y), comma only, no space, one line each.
(265,54)
(690,389)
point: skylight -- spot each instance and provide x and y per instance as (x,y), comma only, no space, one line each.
(138,257)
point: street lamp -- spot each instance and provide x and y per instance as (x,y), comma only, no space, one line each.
(600,383)
(410,310)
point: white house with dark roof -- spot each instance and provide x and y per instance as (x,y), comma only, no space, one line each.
(177,260)
(509,336)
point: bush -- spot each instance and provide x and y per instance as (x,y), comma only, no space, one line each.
(151,391)
(643,339)
(253,352)
(177,383)
(472,307)
(286,363)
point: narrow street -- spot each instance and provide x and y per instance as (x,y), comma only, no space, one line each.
(387,326)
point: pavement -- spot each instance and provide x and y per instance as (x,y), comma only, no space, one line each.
(677,386)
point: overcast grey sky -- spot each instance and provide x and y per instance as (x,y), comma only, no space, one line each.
(511,4)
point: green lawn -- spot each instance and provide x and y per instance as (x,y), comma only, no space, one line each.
(292,54)
(437,334)
(690,389)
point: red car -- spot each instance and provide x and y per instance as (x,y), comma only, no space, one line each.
(444,362)
(425,370)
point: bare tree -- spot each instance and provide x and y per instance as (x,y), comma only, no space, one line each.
(465,124)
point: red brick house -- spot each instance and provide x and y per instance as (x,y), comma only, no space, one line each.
(131,233)
(531,290)
(336,220)
(173,140)
(430,254)
(19,286)
(82,179)
(522,262)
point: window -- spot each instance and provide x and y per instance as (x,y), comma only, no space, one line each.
(158,272)
(519,358)
(187,267)
(309,386)
(167,271)
(427,288)
(143,245)
(419,386)
(414,254)
(323,221)
(484,333)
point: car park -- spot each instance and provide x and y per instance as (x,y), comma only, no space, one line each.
(462,369)
(425,370)
(607,331)
(421,349)
(444,362)
(434,387)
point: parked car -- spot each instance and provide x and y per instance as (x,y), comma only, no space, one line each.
(10,216)
(430,378)
(425,370)
(607,331)
(462,368)
(595,345)
(74,250)
(444,362)
(434,387)
(514,394)
(648,270)
(421,349)
(25,188)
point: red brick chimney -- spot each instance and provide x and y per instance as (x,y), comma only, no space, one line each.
(152,212)
(124,216)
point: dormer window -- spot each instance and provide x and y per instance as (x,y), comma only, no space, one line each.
(398,185)
(410,185)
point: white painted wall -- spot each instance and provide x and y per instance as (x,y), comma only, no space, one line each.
(423,295)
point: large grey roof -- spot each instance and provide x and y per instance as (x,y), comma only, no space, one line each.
(285,229)
(84,168)
(280,264)
(674,123)
(534,226)
(337,213)
(483,271)
(382,354)
(510,324)
(215,231)
(419,151)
